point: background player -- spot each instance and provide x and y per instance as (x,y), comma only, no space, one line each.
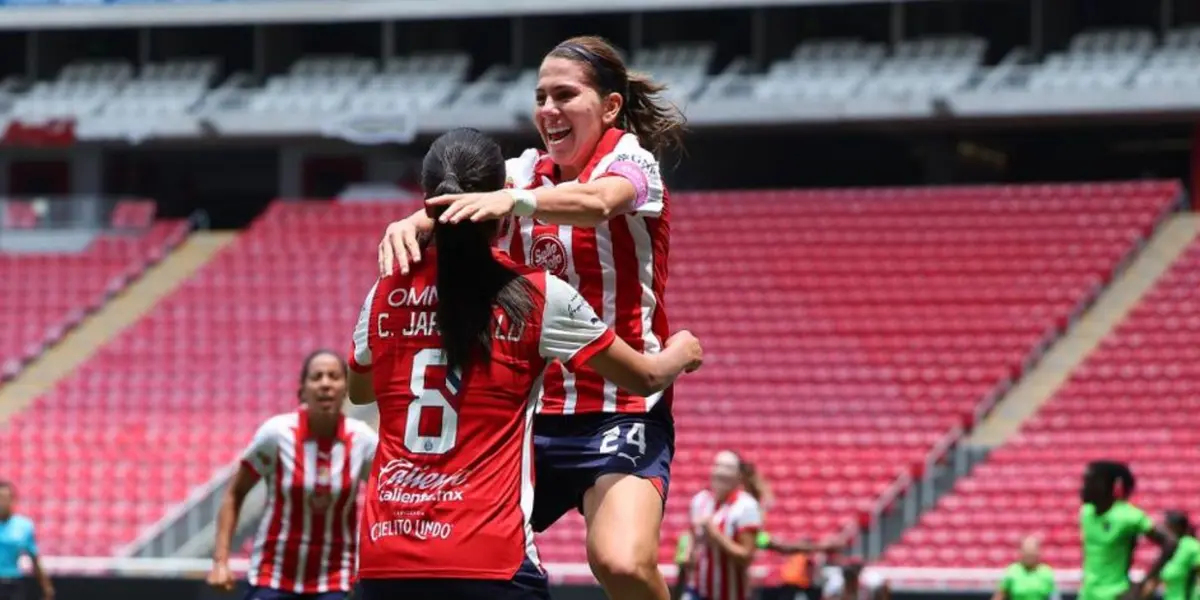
(16,540)
(850,582)
(1179,574)
(312,460)
(726,521)
(456,350)
(1028,578)
(602,225)
(1110,527)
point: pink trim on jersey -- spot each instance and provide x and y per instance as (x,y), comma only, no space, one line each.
(634,175)
(619,267)
(306,544)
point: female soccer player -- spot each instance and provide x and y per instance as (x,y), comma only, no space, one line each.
(456,350)
(1179,574)
(726,520)
(312,460)
(1028,578)
(1110,527)
(591,209)
(17,540)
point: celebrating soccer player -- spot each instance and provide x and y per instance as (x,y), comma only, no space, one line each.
(726,521)
(1110,527)
(455,350)
(1179,574)
(312,461)
(591,209)
(1028,578)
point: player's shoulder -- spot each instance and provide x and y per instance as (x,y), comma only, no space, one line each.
(745,500)
(280,424)
(630,146)
(702,495)
(20,523)
(519,172)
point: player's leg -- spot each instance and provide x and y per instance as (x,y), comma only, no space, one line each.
(624,515)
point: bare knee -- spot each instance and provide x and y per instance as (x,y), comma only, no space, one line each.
(623,515)
(628,567)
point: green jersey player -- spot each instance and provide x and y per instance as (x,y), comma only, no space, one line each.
(1179,574)
(1110,528)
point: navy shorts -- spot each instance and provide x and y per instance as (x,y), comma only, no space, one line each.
(528,584)
(572,452)
(266,593)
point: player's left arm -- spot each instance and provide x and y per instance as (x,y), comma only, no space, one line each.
(371,440)
(359,383)
(631,182)
(1164,539)
(43,578)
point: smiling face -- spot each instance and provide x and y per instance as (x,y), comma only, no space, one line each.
(571,115)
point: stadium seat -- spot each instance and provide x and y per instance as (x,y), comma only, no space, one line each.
(56,291)
(1134,399)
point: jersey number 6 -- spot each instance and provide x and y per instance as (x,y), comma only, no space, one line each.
(433,398)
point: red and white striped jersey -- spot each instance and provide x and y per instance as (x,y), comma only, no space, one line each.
(716,576)
(620,266)
(306,543)
(451,491)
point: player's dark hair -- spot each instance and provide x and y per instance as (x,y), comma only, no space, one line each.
(1110,472)
(471,282)
(657,123)
(1178,521)
(7,485)
(752,480)
(307,365)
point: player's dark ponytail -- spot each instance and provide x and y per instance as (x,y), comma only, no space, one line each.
(470,281)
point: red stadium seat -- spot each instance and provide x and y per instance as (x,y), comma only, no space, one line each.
(1132,400)
(847,332)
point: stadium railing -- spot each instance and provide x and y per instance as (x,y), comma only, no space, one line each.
(900,578)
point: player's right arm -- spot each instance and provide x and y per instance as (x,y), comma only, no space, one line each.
(258,459)
(39,573)
(574,335)
(1164,539)
(359,384)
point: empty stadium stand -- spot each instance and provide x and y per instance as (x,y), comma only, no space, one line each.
(1134,399)
(823,70)
(46,294)
(847,333)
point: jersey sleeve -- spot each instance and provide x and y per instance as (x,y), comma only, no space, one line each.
(749,517)
(371,443)
(701,508)
(639,167)
(29,544)
(360,352)
(263,451)
(1140,522)
(571,331)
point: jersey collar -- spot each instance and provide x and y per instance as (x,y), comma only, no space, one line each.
(306,433)
(545,168)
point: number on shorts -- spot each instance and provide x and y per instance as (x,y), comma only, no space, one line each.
(635,435)
(427,397)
